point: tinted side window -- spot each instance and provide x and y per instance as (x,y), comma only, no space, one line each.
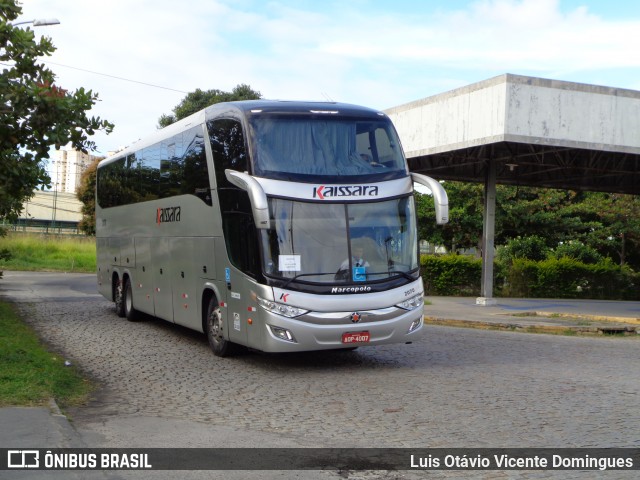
(193,166)
(150,175)
(175,166)
(228,146)
(240,234)
(110,183)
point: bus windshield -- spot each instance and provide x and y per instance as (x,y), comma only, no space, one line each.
(326,148)
(337,243)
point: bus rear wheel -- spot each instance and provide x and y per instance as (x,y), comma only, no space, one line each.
(215,330)
(129,311)
(119,298)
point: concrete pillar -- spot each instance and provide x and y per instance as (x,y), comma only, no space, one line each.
(488,237)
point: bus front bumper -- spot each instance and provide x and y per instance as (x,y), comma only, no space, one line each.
(294,335)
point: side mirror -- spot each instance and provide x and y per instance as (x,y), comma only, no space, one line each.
(440,198)
(257,197)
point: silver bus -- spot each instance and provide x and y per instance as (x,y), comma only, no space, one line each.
(278,226)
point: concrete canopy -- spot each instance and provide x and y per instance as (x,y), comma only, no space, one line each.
(518,130)
(539,132)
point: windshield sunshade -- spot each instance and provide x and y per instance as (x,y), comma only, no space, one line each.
(312,148)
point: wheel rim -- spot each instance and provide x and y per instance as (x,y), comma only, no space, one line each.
(119,294)
(215,326)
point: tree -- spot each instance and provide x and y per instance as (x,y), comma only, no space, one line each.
(596,223)
(87,195)
(35,114)
(464,229)
(200,99)
(618,232)
(555,215)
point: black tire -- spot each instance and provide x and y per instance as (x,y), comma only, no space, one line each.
(129,310)
(119,299)
(214,328)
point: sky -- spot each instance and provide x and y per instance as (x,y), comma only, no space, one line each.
(143,56)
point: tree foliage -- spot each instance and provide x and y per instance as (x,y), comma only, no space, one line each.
(606,223)
(531,247)
(86,193)
(200,99)
(35,114)
(193,102)
(464,229)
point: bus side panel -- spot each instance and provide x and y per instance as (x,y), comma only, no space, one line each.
(193,262)
(205,264)
(256,329)
(184,281)
(161,274)
(143,281)
(127,253)
(104,271)
(205,257)
(113,251)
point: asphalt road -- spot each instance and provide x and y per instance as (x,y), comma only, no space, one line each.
(160,386)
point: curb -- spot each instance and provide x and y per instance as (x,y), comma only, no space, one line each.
(591,318)
(67,430)
(549,329)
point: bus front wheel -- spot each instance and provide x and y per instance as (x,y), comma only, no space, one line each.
(215,330)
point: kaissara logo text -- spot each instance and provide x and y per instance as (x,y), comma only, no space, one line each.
(169,214)
(335,191)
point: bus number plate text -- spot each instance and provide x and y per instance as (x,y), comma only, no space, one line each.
(356,337)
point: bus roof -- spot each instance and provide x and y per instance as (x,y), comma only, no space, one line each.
(247,108)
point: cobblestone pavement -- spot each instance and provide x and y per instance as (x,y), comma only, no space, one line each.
(453,388)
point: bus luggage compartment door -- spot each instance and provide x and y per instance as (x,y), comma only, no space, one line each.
(161,265)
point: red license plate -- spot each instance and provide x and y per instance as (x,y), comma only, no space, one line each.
(356,337)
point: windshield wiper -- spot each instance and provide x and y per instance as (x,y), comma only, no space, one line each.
(305,275)
(388,272)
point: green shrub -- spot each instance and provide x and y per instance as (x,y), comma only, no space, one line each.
(456,275)
(569,278)
(531,248)
(578,251)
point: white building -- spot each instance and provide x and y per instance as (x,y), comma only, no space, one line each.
(66,169)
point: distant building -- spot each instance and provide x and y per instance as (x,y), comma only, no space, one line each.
(66,169)
(50,212)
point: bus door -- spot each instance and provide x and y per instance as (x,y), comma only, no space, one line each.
(161,266)
(243,252)
(236,302)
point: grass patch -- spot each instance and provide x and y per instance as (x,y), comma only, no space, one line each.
(31,375)
(29,252)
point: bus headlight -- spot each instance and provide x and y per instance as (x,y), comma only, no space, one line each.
(281,308)
(412,303)
(282,333)
(417,323)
